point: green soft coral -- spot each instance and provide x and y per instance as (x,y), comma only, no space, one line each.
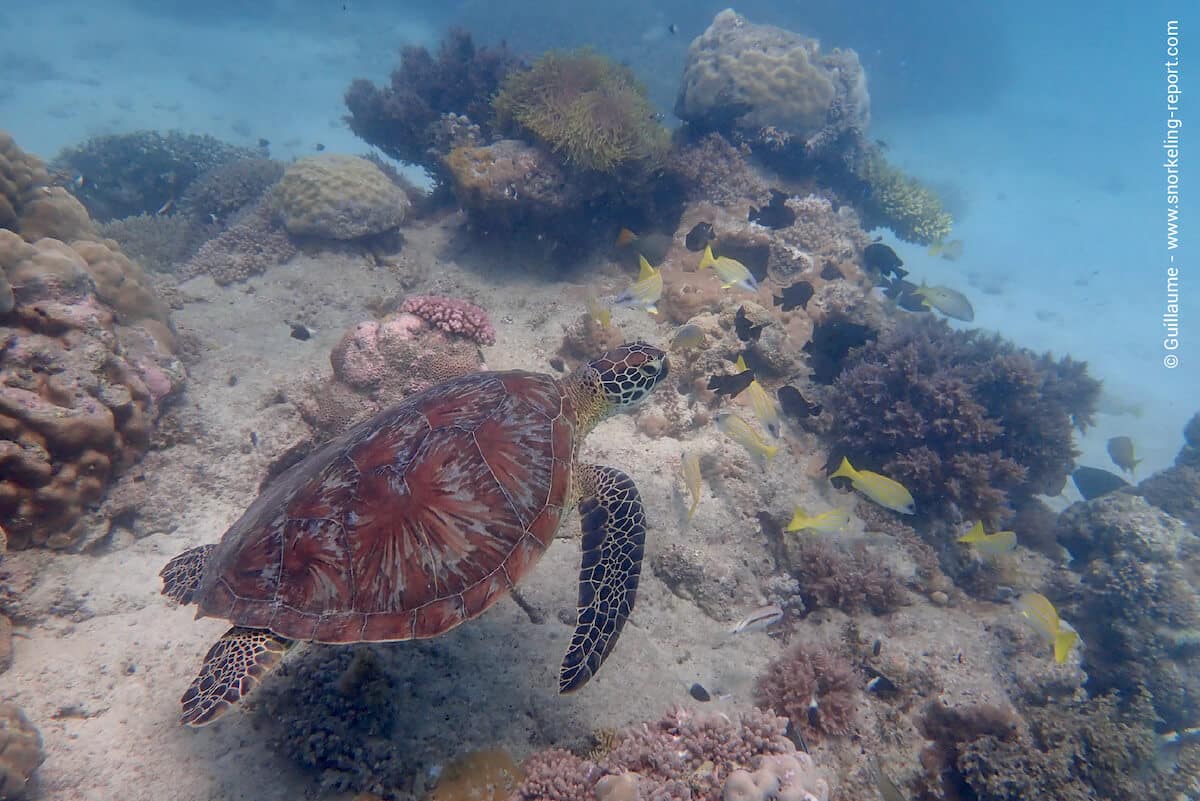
(586,108)
(901,203)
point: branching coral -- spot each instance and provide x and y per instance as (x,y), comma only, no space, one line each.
(898,201)
(141,172)
(252,243)
(226,189)
(404,118)
(586,108)
(683,756)
(960,418)
(848,579)
(812,686)
(452,315)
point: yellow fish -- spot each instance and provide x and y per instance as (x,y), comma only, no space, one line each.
(884,491)
(949,302)
(997,543)
(687,336)
(764,406)
(691,477)
(731,271)
(600,312)
(1042,615)
(740,432)
(644,293)
(831,522)
(950,251)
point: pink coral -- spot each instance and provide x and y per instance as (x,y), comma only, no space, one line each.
(380,362)
(453,315)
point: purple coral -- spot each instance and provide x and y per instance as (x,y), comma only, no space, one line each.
(453,315)
(813,687)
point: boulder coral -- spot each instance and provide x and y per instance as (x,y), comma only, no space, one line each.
(332,196)
(79,392)
(20,753)
(760,81)
(380,362)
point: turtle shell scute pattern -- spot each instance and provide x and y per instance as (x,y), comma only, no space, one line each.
(409,523)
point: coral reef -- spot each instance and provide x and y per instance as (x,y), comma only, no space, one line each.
(160,243)
(79,392)
(715,171)
(331,196)
(122,175)
(252,243)
(30,207)
(452,315)
(851,579)
(783,777)
(898,201)
(584,107)
(970,423)
(1176,490)
(407,119)
(814,687)
(490,775)
(221,192)
(1136,603)
(379,362)
(763,82)
(683,756)
(21,175)
(20,753)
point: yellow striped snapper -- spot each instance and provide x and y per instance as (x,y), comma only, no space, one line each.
(884,491)
(764,406)
(599,311)
(1041,614)
(743,434)
(691,478)
(644,293)
(831,522)
(731,271)
(996,543)
(761,618)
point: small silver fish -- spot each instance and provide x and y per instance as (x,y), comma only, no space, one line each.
(762,618)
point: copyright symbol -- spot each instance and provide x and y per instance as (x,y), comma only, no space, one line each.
(1170,361)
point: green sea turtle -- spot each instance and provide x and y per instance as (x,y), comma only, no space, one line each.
(422,517)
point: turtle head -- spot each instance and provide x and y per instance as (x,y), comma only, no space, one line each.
(628,373)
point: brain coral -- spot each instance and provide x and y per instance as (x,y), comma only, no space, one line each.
(746,77)
(339,197)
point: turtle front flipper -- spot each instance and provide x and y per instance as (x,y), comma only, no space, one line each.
(181,576)
(232,668)
(614,537)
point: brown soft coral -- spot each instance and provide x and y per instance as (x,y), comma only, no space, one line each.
(814,687)
(850,579)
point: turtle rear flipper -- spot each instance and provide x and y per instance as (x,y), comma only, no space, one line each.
(614,536)
(232,668)
(181,576)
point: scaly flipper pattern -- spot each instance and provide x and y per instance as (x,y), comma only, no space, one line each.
(181,576)
(232,668)
(614,536)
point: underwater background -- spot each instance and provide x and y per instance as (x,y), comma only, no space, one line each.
(934,536)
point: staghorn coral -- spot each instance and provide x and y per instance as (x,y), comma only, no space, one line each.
(965,420)
(681,757)
(141,172)
(769,85)
(79,391)
(332,196)
(20,753)
(1136,603)
(406,118)
(379,362)
(452,315)
(897,201)
(252,243)
(804,675)
(850,579)
(587,109)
